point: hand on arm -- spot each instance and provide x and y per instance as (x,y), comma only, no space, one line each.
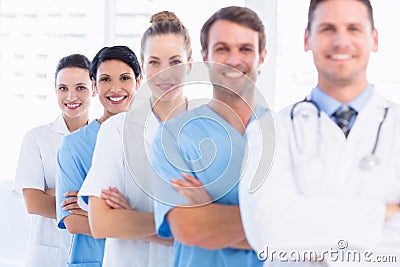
(114,198)
(211,226)
(192,189)
(77,222)
(40,202)
(71,204)
(106,221)
(391,209)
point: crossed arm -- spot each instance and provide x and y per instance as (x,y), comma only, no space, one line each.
(205,224)
(40,202)
(111,216)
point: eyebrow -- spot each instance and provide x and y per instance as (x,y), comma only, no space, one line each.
(106,74)
(176,56)
(225,44)
(324,24)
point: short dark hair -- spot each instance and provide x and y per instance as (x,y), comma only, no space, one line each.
(240,15)
(314,4)
(118,52)
(72,61)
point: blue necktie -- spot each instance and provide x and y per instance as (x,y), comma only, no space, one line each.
(343,117)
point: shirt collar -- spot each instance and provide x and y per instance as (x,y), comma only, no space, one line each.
(59,126)
(329,104)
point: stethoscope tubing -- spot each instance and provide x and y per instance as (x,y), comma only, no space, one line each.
(310,101)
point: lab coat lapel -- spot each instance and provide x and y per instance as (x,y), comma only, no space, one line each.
(135,141)
(359,143)
(59,126)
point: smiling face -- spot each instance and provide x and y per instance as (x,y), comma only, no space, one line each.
(161,57)
(236,48)
(341,39)
(73,90)
(116,85)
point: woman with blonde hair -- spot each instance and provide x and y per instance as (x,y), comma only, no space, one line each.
(131,238)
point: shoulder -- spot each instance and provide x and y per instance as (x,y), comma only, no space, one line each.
(83,134)
(192,116)
(40,132)
(115,121)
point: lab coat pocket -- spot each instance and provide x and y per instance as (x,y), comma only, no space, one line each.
(41,255)
(85,264)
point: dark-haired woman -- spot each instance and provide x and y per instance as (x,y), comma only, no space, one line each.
(116,75)
(36,171)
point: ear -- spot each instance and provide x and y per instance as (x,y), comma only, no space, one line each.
(138,81)
(95,91)
(306,40)
(262,56)
(375,40)
(189,69)
(142,67)
(204,55)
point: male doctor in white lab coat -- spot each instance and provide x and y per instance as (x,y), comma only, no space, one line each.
(332,196)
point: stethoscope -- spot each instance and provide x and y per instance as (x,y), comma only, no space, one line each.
(369,161)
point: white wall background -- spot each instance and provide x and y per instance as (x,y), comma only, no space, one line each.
(34,34)
(296,74)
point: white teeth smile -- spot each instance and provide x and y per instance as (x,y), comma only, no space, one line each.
(233,74)
(116,99)
(166,86)
(341,56)
(73,105)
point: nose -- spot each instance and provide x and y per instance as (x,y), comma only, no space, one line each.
(341,39)
(71,95)
(114,86)
(234,58)
(164,73)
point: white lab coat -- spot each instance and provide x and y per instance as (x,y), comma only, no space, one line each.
(47,245)
(316,193)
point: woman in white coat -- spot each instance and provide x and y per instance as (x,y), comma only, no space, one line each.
(36,170)
(120,160)
(335,182)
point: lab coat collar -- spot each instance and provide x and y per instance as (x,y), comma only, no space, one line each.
(329,105)
(142,113)
(143,118)
(139,115)
(377,101)
(59,126)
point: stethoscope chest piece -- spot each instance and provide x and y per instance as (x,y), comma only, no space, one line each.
(369,162)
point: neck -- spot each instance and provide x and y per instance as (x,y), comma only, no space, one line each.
(74,124)
(105,116)
(236,110)
(344,93)
(169,109)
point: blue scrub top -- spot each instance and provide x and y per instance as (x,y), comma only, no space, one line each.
(74,161)
(203,144)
